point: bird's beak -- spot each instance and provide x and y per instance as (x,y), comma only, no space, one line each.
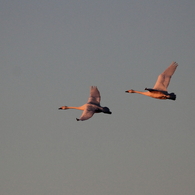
(60,108)
(127,91)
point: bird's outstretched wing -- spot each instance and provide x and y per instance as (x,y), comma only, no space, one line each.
(164,78)
(94,97)
(87,113)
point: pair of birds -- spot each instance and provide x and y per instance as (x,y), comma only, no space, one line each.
(159,91)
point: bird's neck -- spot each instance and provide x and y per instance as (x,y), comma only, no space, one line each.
(77,108)
(143,92)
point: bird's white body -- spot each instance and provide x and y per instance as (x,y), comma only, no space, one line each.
(91,107)
(159,91)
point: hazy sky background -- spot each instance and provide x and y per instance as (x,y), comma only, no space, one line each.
(51,53)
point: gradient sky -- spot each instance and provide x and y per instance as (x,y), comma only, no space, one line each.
(51,53)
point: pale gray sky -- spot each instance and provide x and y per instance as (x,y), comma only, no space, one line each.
(51,53)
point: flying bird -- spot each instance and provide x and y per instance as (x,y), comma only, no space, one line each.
(159,91)
(92,106)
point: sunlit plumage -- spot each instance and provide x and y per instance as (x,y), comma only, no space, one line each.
(159,90)
(92,106)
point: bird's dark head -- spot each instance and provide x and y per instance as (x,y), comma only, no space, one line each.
(63,108)
(130,91)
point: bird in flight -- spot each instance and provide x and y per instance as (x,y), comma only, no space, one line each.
(159,91)
(92,106)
